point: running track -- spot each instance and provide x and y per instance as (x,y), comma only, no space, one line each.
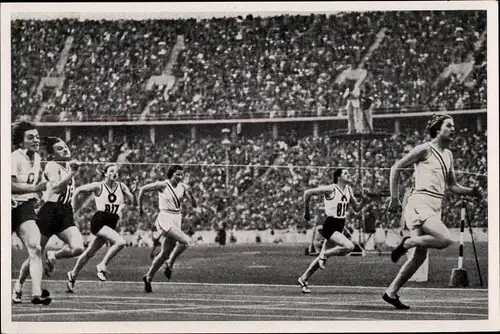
(126,301)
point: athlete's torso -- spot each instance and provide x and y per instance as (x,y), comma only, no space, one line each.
(25,171)
(110,200)
(169,199)
(336,202)
(64,196)
(431,174)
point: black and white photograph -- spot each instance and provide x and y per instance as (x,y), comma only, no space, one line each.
(250,167)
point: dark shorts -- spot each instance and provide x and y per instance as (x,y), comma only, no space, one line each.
(23,212)
(332,225)
(54,218)
(101,219)
(156,241)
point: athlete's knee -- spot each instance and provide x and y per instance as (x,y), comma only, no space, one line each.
(184,242)
(445,242)
(76,250)
(349,247)
(120,243)
(34,248)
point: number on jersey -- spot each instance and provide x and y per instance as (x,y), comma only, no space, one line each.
(341,207)
(111,208)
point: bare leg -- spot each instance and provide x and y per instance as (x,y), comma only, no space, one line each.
(30,235)
(166,248)
(117,245)
(89,253)
(182,244)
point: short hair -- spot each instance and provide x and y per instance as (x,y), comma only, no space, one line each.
(435,123)
(49,142)
(172,169)
(337,174)
(19,130)
(105,169)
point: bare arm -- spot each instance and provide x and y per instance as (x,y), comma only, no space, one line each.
(456,188)
(52,175)
(91,187)
(357,205)
(18,188)
(189,194)
(309,193)
(127,193)
(146,188)
(417,154)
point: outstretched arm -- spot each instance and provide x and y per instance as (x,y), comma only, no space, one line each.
(357,205)
(128,193)
(59,183)
(311,192)
(189,194)
(146,188)
(415,155)
(91,187)
(457,188)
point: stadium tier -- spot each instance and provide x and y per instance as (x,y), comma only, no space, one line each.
(283,66)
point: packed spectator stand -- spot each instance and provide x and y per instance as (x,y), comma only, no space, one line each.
(249,67)
(283,66)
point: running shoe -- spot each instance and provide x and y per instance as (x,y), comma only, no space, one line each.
(303,284)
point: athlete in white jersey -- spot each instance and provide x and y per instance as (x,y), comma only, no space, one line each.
(25,170)
(336,198)
(55,217)
(434,172)
(109,196)
(173,241)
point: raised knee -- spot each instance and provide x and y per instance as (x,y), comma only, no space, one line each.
(445,242)
(184,243)
(350,247)
(77,250)
(120,243)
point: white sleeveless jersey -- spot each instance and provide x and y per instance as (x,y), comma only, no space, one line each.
(63,196)
(336,202)
(110,200)
(431,174)
(169,199)
(25,172)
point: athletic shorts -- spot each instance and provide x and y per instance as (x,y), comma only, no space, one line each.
(419,208)
(101,219)
(332,225)
(22,213)
(166,220)
(54,218)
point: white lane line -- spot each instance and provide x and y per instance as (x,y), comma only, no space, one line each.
(349,287)
(261,302)
(85,312)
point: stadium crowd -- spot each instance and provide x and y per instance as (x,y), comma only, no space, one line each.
(282,66)
(266,177)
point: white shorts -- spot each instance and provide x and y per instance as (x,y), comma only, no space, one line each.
(166,220)
(419,208)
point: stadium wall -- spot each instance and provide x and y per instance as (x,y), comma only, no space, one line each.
(294,237)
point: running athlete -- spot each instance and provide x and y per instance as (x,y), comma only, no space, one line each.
(109,198)
(337,196)
(55,217)
(173,241)
(25,171)
(433,163)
